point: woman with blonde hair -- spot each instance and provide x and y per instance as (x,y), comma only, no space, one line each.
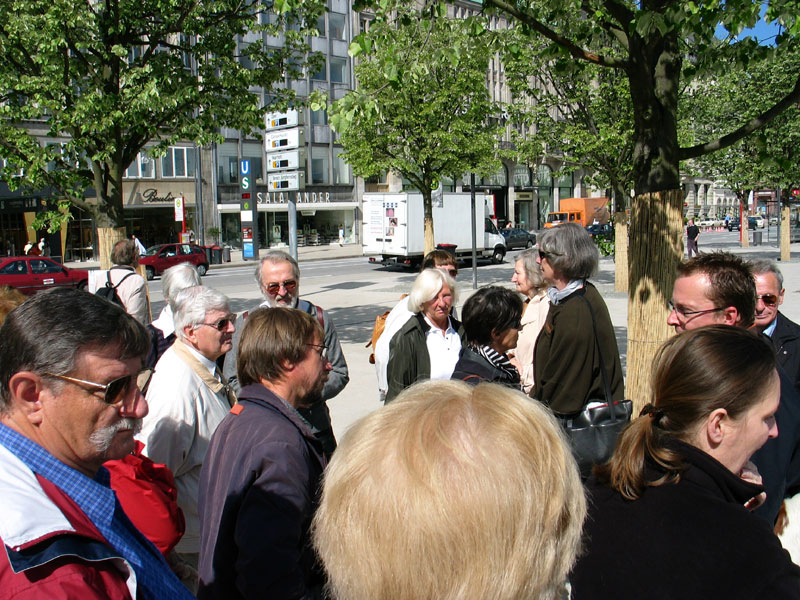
(670,514)
(530,283)
(451,492)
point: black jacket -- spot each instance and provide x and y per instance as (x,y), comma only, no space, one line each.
(690,540)
(786,338)
(473,368)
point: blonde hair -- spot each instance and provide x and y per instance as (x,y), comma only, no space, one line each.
(451,492)
(427,285)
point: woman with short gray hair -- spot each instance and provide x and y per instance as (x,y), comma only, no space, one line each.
(530,283)
(428,346)
(162,330)
(577,347)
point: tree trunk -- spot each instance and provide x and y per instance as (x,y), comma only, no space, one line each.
(785,232)
(106,238)
(427,203)
(745,224)
(621,252)
(655,251)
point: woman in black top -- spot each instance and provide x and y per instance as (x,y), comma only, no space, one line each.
(669,516)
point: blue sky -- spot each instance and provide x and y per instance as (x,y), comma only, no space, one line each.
(764,32)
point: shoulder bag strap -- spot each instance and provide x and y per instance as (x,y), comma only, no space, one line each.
(606,385)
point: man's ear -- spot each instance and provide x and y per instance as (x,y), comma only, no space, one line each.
(780,297)
(731,316)
(25,395)
(189,334)
(287,365)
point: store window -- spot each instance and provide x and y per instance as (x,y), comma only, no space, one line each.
(336,23)
(144,167)
(522,176)
(178,162)
(338,70)
(319,164)
(341,170)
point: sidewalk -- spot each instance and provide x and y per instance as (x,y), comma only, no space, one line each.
(305,253)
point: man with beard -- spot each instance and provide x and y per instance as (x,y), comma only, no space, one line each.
(258,486)
(69,401)
(278,277)
(188,399)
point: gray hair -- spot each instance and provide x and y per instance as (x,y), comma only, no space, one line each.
(192,304)
(762,266)
(570,250)
(276,256)
(48,332)
(177,278)
(533,271)
(426,286)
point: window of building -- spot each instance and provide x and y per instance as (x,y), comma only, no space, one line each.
(336,23)
(522,176)
(319,164)
(144,167)
(320,75)
(338,70)
(178,162)
(252,151)
(341,170)
(321,25)
(319,117)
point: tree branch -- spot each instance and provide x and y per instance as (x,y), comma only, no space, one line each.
(573,49)
(746,129)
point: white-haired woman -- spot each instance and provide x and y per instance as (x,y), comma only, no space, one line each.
(162,330)
(530,283)
(429,344)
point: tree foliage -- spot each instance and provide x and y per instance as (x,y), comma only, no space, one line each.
(421,108)
(102,79)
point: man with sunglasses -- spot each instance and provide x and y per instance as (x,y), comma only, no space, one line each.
(188,399)
(278,278)
(784,333)
(259,484)
(719,288)
(69,401)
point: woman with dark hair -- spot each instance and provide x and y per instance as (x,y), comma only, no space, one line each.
(577,347)
(491,319)
(675,497)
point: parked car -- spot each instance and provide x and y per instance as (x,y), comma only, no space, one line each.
(518,238)
(31,274)
(159,258)
(760,221)
(598,229)
(734,223)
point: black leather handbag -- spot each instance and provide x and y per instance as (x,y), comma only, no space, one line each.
(593,432)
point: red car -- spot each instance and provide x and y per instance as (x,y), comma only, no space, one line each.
(31,274)
(159,258)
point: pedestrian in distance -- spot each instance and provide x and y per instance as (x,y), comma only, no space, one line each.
(692,233)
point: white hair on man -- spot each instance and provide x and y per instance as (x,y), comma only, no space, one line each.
(192,304)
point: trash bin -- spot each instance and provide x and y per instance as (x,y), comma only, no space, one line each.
(451,248)
(217,255)
(209,256)
(226,254)
(757,238)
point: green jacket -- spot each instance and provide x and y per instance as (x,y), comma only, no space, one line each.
(408,355)
(566,362)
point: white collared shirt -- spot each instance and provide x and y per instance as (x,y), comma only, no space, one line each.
(444,350)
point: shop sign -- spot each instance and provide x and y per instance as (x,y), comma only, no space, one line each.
(15,205)
(150,196)
(298,197)
(277,120)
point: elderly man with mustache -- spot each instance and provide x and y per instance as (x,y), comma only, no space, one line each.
(69,401)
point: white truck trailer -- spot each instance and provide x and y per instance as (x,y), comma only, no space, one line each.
(394,228)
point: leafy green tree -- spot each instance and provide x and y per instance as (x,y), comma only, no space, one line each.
(658,45)
(421,108)
(104,78)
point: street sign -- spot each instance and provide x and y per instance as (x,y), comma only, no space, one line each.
(284,139)
(286,181)
(244,171)
(279,161)
(277,120)
(179,202)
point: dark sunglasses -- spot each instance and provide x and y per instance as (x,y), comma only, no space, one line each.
(113,391)
(769,299)
(273,288)
(222,324)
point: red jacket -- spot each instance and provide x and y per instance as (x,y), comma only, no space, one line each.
(52,550)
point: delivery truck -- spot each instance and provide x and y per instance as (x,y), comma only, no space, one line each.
(583,211)
(394,228)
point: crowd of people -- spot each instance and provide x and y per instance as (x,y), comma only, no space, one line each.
(194,456)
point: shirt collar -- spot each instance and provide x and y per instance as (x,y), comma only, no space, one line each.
(433,325)
(771,328)
(207,363)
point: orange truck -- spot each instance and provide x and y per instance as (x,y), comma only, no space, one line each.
(584,211)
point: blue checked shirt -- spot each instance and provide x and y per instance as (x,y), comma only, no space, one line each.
(99,503)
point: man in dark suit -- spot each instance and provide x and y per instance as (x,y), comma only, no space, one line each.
(784,333)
